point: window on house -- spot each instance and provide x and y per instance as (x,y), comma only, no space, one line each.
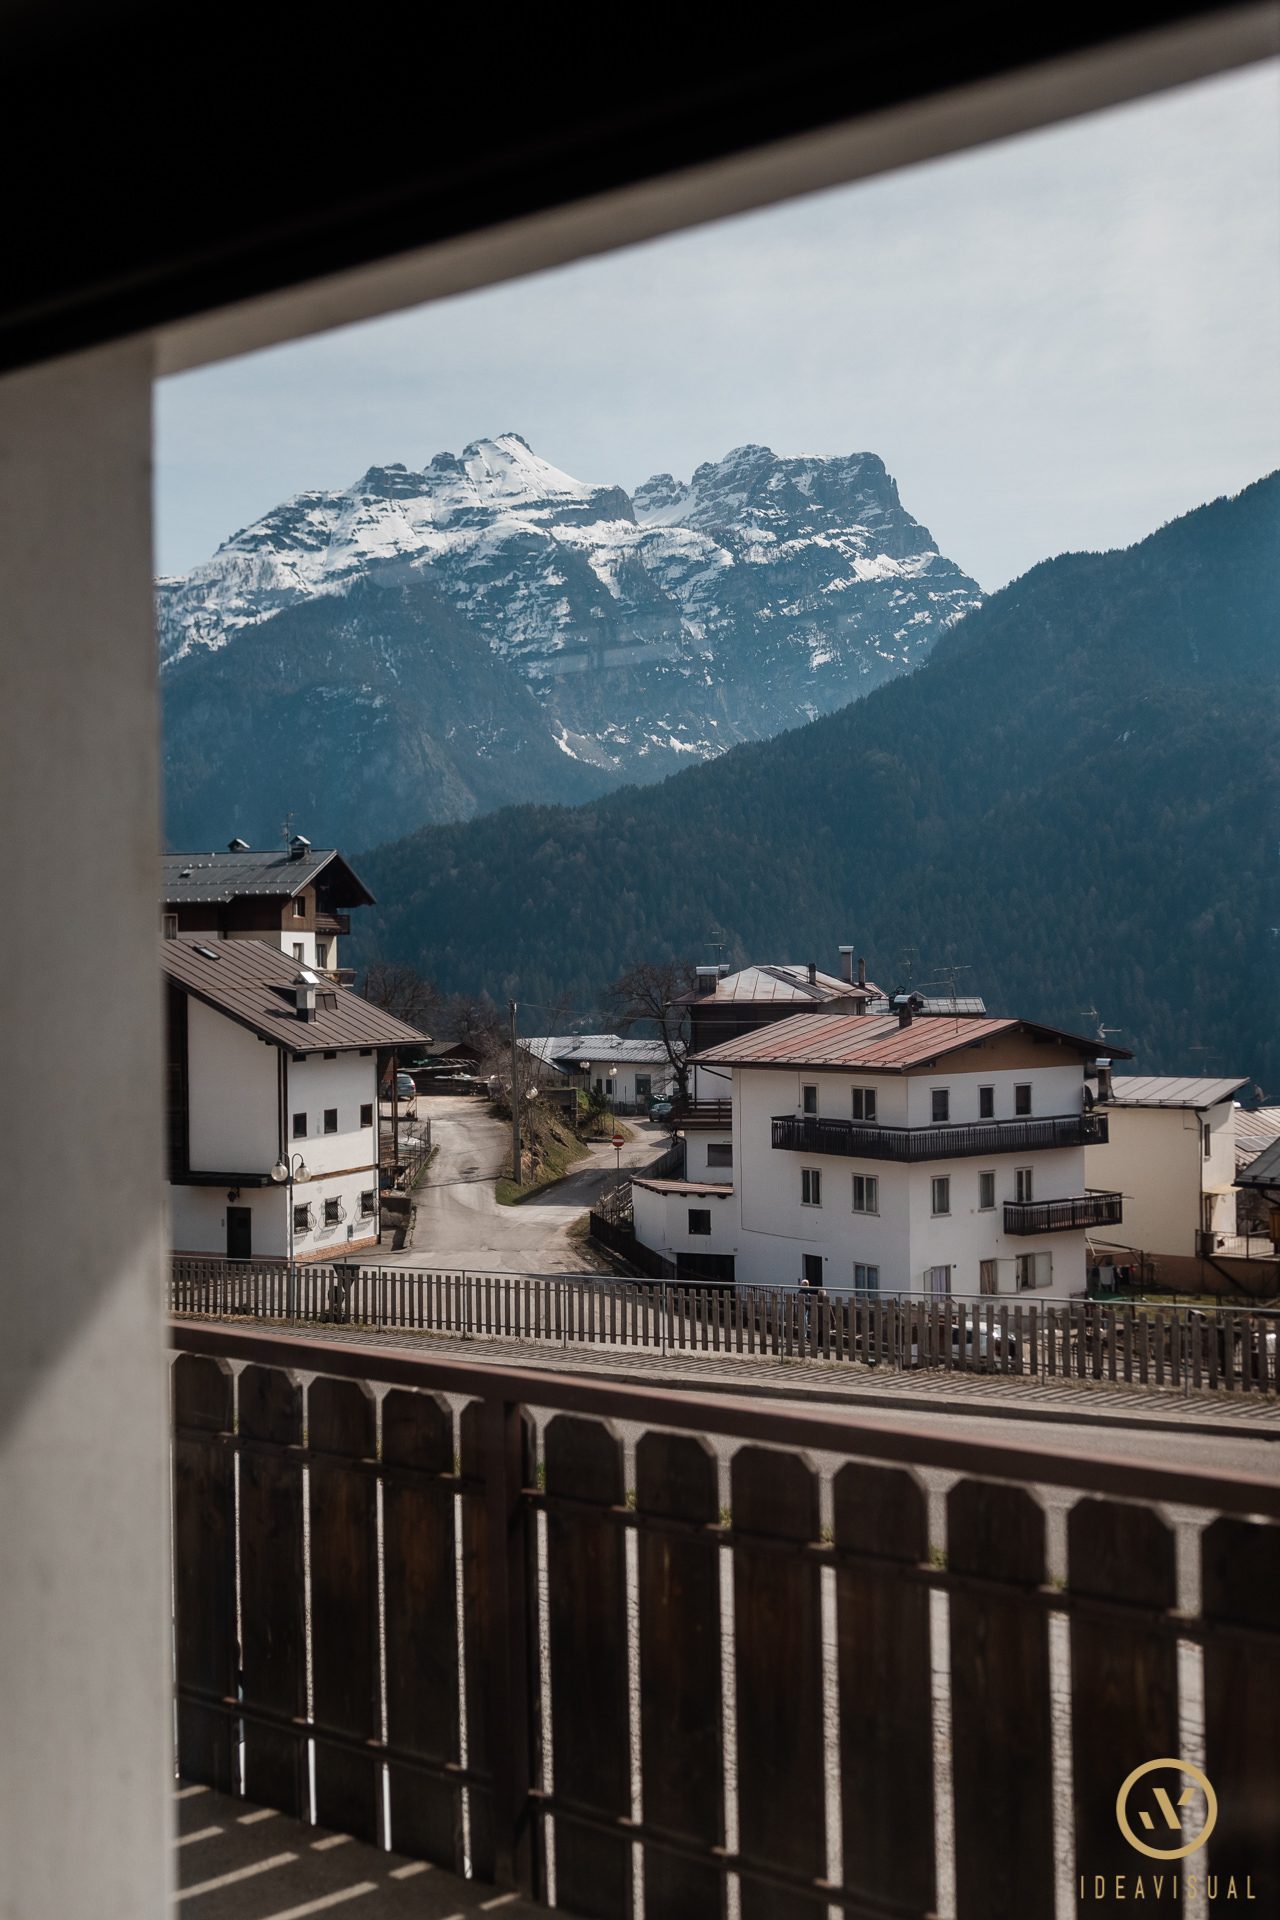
(986,1103)
(866,1193)
(298,950)
(331,1119)
(809,1099)
(332,1212)
(812,1269)
(866,1279)
(368,1202)
(1022,1098)
(366,1113)
(720,1155)
(699,1220)
(941,1105)
(938,1281)
(941,1190)
(1023,1185)
(864,1103)
(170,926)
(299,1126)
(301,1219)
(810,1186)
(988,1276)
(300,909)
(1034,1270)
(986,1192)
(1207,1138)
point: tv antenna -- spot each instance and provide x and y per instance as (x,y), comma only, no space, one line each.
(1091,1013)
(717,940)
(948,972)
(287,828)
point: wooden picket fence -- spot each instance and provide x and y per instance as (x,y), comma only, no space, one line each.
(408,1610)
(1232,1350)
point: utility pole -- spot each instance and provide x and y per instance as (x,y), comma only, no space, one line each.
(515,1098)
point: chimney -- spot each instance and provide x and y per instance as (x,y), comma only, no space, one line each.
(299,847)
(813,973)
(707,977)
(1104,1079)
(862,971)
(904,1012)
(846,965)
(304,994)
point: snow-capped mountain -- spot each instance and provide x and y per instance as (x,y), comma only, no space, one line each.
(425,645)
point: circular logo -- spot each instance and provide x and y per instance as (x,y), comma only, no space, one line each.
(1157,1809)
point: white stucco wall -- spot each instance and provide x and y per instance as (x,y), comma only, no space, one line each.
(696,1142)
(346,1082)
(198,1218)
(623,1087)
(1155,1158)
(662,1221)
(233,1095)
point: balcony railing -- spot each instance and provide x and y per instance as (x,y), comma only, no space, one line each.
(702,1113)
(858,1141)
(333,922)
(338,1548)
(1061,1216)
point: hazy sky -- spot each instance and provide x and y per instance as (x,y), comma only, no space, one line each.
(1056,342)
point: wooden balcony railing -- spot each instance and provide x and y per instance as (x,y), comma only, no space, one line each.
(1061,1216)
(859,1141)
(414,1607)
(701,1113)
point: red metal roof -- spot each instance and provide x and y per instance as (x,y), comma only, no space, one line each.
(875,1042)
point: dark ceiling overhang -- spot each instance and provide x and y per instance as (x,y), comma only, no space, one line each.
(162,165)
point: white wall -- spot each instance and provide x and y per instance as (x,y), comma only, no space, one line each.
(1155,1158)
(623,1087)
(232,1095)
(346,1082)
(662,1221)
(198,1218)
(696,1142)
(85,1762)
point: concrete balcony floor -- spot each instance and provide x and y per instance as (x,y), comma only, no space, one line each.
(236,1861)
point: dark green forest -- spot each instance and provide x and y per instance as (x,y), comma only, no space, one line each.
(1074,800)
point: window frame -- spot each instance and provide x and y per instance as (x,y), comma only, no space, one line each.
(299,907)
(811,1186)
(809,1099)
(937,1180)
(699,1232)
(1024,1186)
(866,1097)
(986,1103)
(330,1114)
(870,1183)
(987,1174)
(366,1113)
(940,1096)
(301,1217)
(724,1147)
(866,1284)
(299,1132)
(808,1263)
(1022,1099)
(368,1202)
(333,1215)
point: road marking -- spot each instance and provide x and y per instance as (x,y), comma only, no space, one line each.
(205,1833)
(261,1813)
(330,1840)
(241,1873)
(502,1900)
(408,1873)
(325,1902)
(187,1793)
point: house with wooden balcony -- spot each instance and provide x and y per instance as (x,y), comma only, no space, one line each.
(273,1073)
(299,898)
(908,1153)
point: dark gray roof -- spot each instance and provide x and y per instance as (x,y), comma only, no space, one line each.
(1171,1090)
(252,983)
(196,878)
(1264,1171)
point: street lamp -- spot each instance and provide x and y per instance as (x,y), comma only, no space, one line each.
(285,1172)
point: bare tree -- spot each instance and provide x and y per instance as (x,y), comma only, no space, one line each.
(402,991)
(647,995)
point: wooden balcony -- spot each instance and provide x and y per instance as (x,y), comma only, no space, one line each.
(1063,1216)
(856,1140)
(333,922)
(702,1113)
(325,1532)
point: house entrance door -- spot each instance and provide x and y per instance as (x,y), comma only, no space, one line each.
(239,1233)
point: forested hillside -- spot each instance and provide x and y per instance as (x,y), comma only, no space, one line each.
(1074,799)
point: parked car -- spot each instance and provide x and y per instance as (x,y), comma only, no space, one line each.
(406,1088)
(661,1109)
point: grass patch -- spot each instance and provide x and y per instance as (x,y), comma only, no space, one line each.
(551,1151)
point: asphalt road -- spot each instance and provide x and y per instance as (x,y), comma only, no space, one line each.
(459,1222)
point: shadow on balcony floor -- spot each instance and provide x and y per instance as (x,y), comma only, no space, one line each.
(240,1862)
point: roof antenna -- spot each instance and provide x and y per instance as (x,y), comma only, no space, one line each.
(287,828)
(948,972)
(716,939)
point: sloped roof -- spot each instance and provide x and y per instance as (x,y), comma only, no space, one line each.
(574,1047)
(188,879)
(251,982)
(1264,1171)
(768,984)
(1170,1090)
(875,1042)
(1256,1128)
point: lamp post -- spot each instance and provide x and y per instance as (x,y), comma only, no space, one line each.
(285,1172)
